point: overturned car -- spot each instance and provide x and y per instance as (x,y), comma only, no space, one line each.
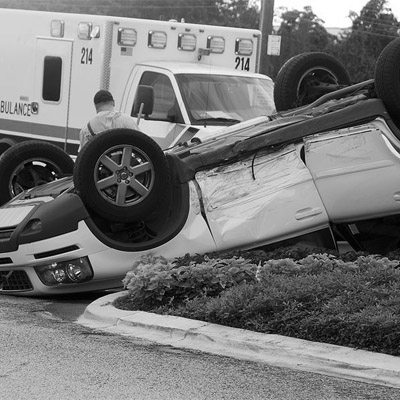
(323,172)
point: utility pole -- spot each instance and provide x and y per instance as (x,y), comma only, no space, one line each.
(266,20)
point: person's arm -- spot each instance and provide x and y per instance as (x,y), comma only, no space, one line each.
(84,137)
(125,121)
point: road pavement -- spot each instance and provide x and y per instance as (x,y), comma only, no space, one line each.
(280,351)
(47,355)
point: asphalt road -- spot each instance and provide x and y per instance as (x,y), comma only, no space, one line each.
(45,355)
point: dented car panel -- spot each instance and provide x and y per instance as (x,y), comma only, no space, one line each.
(267,197)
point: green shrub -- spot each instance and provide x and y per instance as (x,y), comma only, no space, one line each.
(156,281)
(351,300)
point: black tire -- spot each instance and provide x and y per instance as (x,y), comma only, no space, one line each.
(387,78)
(122,175)
(306,77)
(5,144)
(31,163)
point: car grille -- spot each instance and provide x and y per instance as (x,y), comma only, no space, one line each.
(14,281)
(5,234)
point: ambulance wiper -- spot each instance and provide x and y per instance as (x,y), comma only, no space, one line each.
(220,119)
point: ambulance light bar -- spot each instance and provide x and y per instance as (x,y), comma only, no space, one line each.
(127,37)
(157,40)
(57,28)
(186,42)
(244,47)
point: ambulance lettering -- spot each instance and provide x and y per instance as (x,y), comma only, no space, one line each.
(86,55)
(21,108)
(242,63)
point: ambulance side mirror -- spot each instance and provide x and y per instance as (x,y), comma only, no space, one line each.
(144,101)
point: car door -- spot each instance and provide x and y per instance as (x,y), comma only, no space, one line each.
(166,123)
(265,198)
(356,172)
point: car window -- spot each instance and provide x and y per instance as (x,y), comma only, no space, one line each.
(164,95)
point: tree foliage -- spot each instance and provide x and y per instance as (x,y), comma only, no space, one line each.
(371,31)
(215,12)
(357,48)
(300,31)
(238,13)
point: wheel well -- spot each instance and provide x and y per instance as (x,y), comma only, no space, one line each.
(5,144)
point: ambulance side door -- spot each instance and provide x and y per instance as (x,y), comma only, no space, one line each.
(52,89)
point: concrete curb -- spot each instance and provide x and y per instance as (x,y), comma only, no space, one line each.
(281,351)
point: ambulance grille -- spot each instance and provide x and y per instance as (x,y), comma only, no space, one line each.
(14,281)
(5,260)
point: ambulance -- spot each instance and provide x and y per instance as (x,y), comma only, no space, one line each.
(180,80)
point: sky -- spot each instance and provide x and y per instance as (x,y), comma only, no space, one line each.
(334,13)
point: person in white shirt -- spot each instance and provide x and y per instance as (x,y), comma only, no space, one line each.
(106,118)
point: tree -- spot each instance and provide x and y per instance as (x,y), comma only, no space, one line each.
(371,31)
(239,13)
(300,31)
(192,12)
(213,12)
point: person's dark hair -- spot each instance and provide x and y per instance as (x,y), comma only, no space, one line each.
(102,96)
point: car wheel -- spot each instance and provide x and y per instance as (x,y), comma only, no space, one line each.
(387,78)
(122,175)
(29,164)
(306,77)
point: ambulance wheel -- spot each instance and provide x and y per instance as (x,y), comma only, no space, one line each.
(29,164)
(306,77)
(387,78)
(122,175)
(5,144)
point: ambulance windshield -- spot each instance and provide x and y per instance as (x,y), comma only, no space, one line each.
(225,100)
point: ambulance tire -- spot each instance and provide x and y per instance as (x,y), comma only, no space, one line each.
(29,164)
(387,78)
(306,77)
(5,144)
(122,175)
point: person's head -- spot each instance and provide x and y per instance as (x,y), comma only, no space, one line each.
(103,100)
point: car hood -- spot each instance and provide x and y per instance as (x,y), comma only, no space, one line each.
(46,192)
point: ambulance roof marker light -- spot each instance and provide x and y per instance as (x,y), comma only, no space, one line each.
(244,47)
(157,40)
(186,42)
(84,30)
(95,34)
(57,28)
(216,44)
(127,37)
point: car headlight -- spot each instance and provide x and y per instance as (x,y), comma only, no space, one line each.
(72,271)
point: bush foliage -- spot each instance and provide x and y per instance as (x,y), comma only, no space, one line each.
(156,281)
(350,300)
